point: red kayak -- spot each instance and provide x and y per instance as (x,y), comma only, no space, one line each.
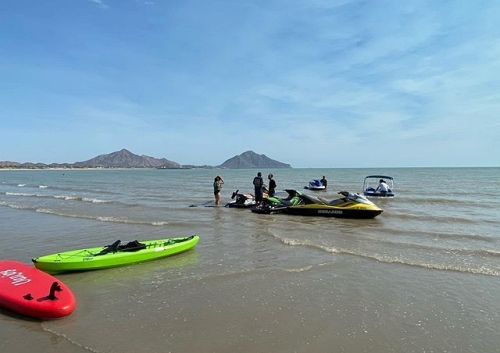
(32,292)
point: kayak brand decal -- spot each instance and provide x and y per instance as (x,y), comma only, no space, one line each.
(17,278)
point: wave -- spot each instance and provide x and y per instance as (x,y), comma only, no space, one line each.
(19,194)
(65,197)
(161,223)
(89,199)
(102,218)
(308,243)
(83,216)
(15,206)
(442,267)
(59,335)
(300,269)
(62,188)
(61,197)
(430,266)
(430,217)
(72,198)
(483,270)
(80,198)
(409,232)
(307,268)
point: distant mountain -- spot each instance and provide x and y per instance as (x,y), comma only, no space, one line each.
(7,164)
(119,159)
(250,159)
(29,165)
(126,159)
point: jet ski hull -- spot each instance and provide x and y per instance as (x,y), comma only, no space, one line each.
(331,211)
(264,209)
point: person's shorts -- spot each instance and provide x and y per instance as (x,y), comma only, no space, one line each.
(258,195)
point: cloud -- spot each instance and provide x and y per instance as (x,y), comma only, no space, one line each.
(100,3)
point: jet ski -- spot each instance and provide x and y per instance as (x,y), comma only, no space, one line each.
(315,184)
(350,205)
(275,204)
(245,200)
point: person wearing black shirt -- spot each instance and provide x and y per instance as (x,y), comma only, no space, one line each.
(324,181)
(272,185)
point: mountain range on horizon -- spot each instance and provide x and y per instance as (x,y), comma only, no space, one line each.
(250,159)
(126,159)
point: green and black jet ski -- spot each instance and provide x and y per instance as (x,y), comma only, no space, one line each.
(278,205)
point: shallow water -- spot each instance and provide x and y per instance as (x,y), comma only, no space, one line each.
(421,277)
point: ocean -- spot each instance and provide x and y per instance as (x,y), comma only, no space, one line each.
(424,276)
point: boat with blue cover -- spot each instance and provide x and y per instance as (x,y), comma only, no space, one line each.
(371,182)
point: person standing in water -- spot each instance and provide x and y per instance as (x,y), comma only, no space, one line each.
(272,185)
(217,187)
(324,181)
(258,184)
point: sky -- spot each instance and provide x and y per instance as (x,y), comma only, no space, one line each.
(311,83)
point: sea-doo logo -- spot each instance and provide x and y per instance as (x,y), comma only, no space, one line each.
(330,211)
(17,278)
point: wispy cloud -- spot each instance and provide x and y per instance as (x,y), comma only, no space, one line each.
(100,3)
(145,2)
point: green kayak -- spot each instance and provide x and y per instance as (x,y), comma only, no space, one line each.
(114,255)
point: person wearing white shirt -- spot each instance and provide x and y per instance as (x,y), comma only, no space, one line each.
(382,187)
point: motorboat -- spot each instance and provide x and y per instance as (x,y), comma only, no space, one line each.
(244,200)
(315,184)
(275,204)
(371,183)
(350,205)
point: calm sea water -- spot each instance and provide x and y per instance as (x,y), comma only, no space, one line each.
(424,276)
